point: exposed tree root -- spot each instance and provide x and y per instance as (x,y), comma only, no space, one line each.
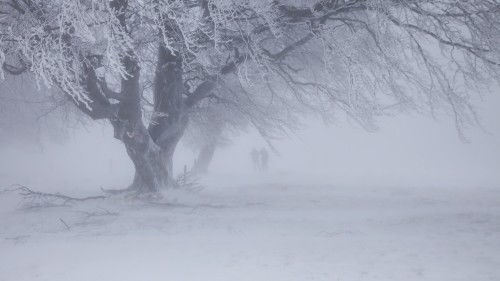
(134,193)
(186,181)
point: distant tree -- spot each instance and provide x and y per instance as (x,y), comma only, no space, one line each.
(211,128)
(148,65)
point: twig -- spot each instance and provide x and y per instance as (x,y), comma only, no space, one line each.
(65,224)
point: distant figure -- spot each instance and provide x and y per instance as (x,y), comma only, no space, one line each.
(255,159)
(264,158)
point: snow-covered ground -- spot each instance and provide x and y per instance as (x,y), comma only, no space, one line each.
(262,230)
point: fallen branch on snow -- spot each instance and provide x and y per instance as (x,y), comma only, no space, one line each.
(30,194)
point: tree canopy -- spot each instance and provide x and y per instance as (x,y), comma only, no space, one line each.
(149,66)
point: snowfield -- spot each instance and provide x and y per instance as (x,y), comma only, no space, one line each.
(263,230)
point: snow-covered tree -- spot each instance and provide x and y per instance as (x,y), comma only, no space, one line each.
(147,66)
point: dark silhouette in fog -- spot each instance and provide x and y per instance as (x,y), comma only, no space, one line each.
(264,159)
(255,156)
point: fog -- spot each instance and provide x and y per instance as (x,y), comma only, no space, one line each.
(337,202)
(409,151)
(280,140)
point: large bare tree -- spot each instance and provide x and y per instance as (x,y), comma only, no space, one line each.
(147,66)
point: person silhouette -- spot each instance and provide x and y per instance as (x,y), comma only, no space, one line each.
(264,159)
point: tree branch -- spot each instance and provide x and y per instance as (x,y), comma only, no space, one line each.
(14,70)
(29,193)
(201,92)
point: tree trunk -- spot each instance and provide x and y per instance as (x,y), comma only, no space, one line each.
(153,163)
(207,151)
(150,148)
(204,158)
(151,173)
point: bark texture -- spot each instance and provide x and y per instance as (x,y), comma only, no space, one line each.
(152,149)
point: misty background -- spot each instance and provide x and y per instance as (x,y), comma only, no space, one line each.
(410,150)
(355,140)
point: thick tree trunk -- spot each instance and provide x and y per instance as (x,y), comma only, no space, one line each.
(207,151)
(151,173)
(153,170)
(153,163)
(151,148)
(204,158)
